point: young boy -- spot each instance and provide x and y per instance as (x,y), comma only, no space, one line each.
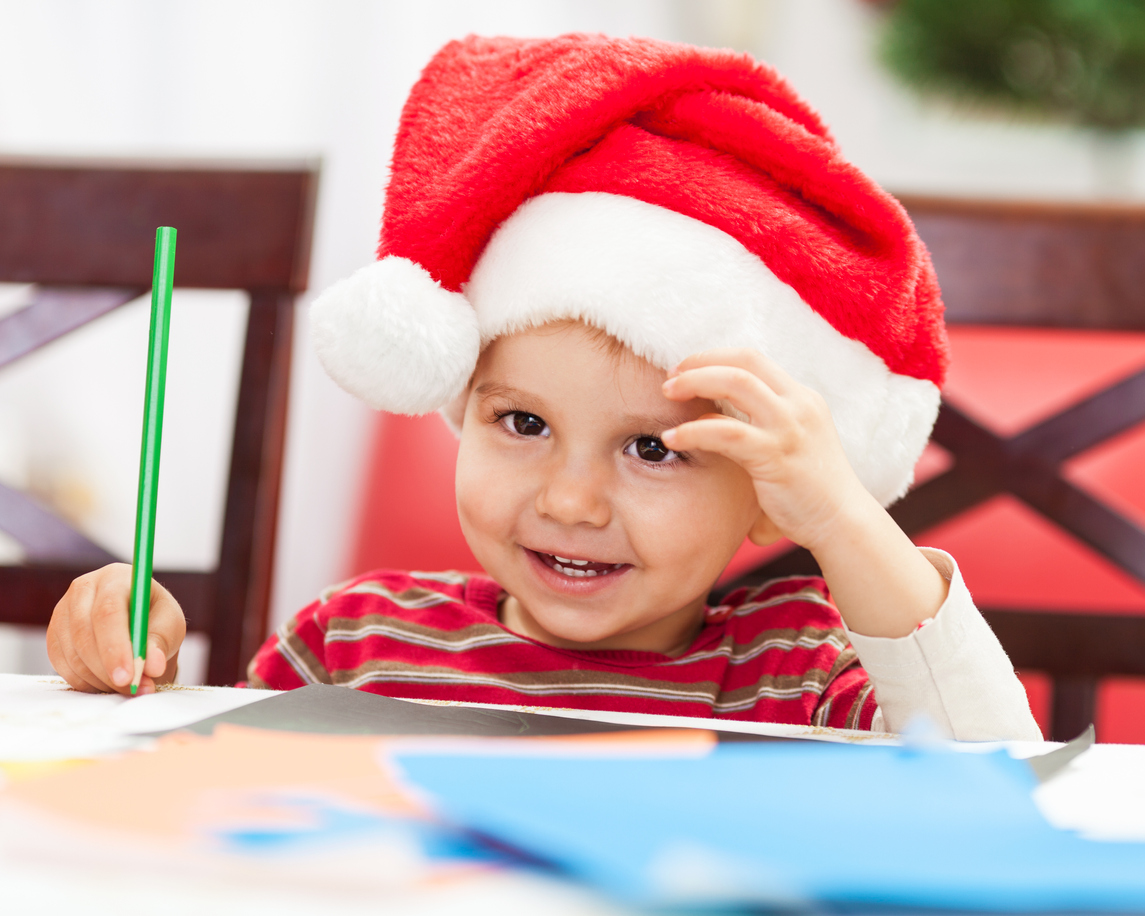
(664,315)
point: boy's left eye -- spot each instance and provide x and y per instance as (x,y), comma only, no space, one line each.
(649,448)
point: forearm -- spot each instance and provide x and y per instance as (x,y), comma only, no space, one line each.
(953,671)
(881,583)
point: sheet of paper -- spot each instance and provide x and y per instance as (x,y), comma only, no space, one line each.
(313,810)
(789,824)
(1101,794)
(248,822)
(323,709)
(41,718)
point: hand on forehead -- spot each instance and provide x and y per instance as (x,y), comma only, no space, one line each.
(569,366)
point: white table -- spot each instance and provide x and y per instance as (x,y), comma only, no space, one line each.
(1101,793)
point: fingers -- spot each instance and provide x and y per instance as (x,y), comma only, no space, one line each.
(67,663)
(109,629)
(741,442)
(755,386)
(70,640)
(767,370)
(166,631)
(88,639)
(742,388)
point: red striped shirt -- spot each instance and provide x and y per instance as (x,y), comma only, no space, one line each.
(777,653)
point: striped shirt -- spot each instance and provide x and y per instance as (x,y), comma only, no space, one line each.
(777,653)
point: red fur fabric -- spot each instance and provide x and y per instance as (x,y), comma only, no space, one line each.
(710,134)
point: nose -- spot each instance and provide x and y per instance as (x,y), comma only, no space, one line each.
(574,494)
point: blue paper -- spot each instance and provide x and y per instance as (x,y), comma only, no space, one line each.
(789,824)
(320,823)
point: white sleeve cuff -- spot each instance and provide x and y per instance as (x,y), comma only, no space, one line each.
(953,670)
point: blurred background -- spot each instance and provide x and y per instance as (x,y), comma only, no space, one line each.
(303,79)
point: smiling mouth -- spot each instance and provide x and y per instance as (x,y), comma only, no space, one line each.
(578,569)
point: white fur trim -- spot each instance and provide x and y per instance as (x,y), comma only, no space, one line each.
(390,335)
(667,286)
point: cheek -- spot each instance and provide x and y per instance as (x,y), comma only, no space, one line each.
(487,500)
(696,525)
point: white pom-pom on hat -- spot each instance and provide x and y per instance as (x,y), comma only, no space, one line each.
(390,335)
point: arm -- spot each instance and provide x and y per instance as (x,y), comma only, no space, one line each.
(88,640)
(883,586)
(953,670)
(806,488)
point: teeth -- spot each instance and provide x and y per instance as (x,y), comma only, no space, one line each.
(574,569)
(575,573)
(566,561)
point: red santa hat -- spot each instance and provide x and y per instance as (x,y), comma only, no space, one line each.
(678,198)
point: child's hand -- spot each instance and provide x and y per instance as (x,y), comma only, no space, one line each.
(807,490)
(88,640)
(788,446)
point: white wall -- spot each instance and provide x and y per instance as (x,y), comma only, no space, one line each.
(327,77)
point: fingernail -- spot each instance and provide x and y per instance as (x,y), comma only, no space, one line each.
(669,383)
(120,677)
(668,436)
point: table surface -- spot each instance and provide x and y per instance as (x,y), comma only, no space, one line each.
(42,722)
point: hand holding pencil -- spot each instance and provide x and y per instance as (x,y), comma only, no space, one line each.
(89,642)
(86,634)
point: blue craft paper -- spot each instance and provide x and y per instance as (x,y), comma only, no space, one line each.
(789,824)
(326,823)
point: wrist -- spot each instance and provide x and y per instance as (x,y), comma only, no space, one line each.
(880,581)
(848,526)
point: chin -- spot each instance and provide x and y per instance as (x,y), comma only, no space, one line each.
(574,625)
(572,630)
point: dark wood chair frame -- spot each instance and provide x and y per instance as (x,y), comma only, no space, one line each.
(83,232)
(1066,266)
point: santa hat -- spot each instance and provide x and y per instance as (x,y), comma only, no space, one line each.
(678,198)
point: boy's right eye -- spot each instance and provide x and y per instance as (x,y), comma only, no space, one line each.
(525,424)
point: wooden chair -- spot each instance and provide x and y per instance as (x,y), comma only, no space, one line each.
(1066,266)
(83,232)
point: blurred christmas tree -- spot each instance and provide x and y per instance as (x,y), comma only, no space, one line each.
(1081,60)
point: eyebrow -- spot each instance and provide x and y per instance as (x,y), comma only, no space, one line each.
(498,390)
(648,422)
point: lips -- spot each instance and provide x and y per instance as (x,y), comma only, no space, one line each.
(578,568)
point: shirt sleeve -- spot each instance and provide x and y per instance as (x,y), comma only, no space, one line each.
(952,670)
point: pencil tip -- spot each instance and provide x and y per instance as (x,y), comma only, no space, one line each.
(138,676)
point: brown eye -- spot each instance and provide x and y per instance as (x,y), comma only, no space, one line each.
(651,449)
(526,424)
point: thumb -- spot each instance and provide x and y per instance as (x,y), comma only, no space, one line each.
(158,653)
(168,628)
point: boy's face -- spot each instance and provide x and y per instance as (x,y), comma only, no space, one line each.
(601,536)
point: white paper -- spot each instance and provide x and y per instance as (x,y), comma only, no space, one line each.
(42,718)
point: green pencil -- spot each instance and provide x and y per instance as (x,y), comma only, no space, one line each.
(161,283)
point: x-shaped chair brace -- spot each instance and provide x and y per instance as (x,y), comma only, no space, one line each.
(1029,465)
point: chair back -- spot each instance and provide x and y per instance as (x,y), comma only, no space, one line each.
(83,232)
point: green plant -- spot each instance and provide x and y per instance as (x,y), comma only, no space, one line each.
(1082,60)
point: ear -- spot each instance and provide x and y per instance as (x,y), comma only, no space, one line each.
(763,531)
